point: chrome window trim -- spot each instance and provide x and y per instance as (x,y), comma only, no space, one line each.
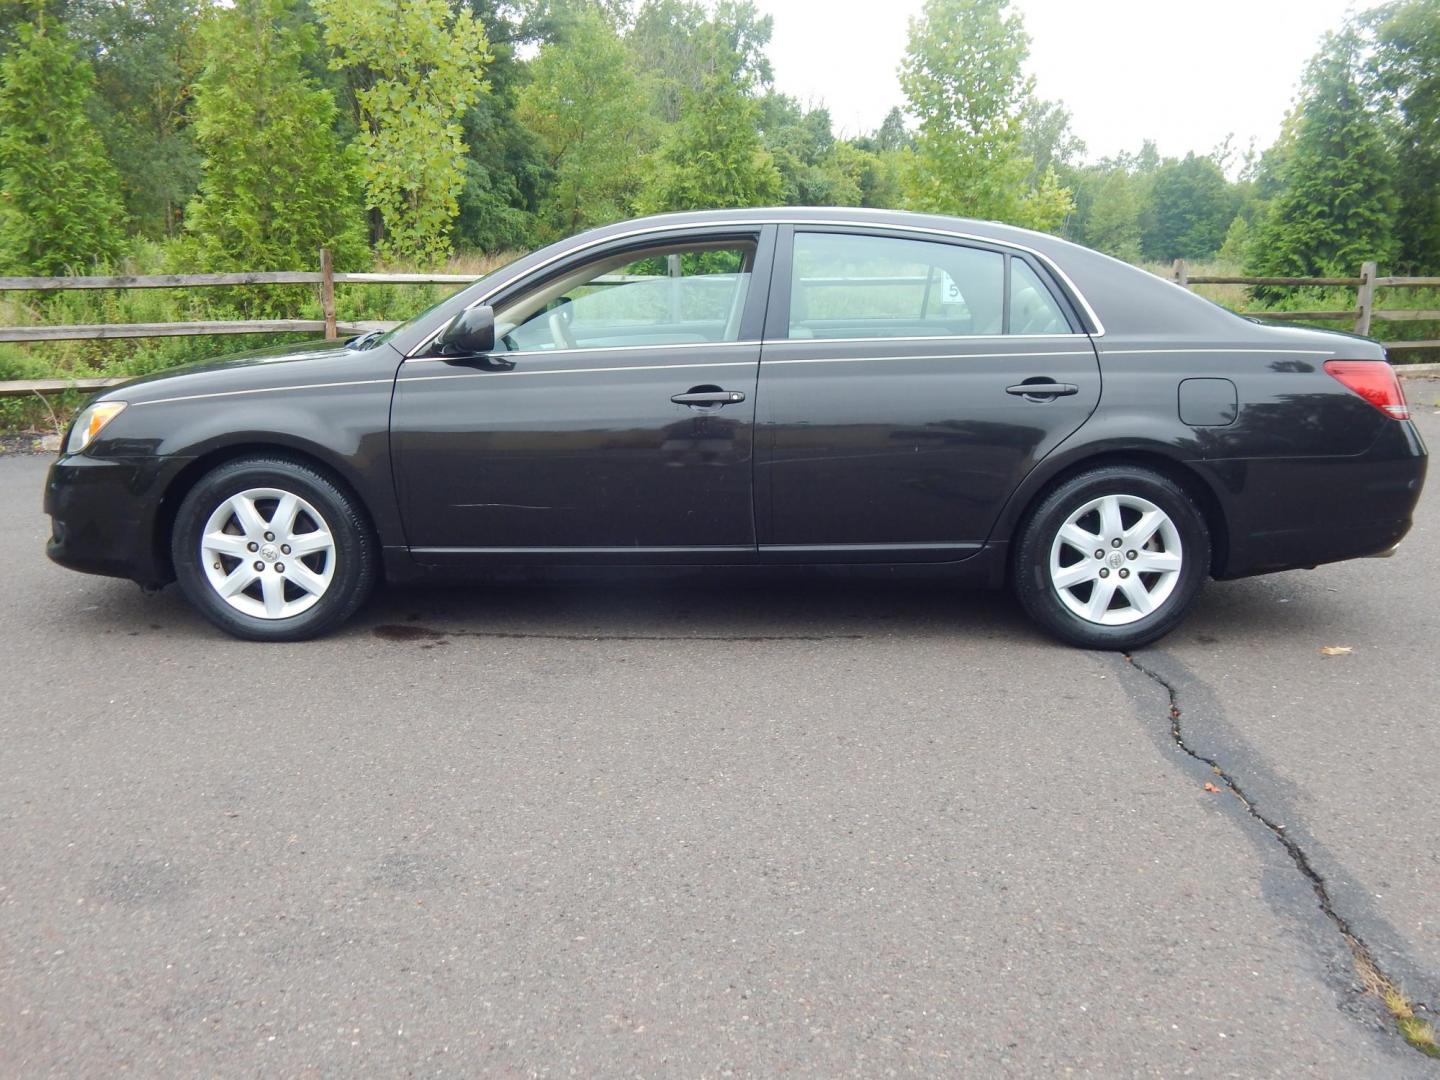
(739,363)
(748,223)
(924,337)
(926,356)
(576,371)
(607,348)
(1254,349)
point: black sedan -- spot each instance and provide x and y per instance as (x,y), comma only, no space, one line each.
(845,389)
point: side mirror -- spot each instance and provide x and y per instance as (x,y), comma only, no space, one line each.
(472,333)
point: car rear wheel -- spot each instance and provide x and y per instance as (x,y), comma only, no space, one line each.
(272,550)
(1111,558)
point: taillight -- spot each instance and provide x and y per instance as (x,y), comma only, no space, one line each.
(1373,380)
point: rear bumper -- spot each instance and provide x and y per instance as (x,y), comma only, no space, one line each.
(1289,513)
(103,517)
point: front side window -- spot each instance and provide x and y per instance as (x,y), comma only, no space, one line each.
(677,295)
(847,286)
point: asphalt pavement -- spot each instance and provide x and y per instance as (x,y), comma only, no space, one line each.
(808,829)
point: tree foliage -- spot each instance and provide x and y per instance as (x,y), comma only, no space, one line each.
(147,57)
(1191,207)
(1406,69)
(1336,205)
(588,103)
(497,124)
(415,68)
(60,208)
(277,185)
(962,76)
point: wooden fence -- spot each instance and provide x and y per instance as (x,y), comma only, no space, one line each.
(1363,315)
(326,278)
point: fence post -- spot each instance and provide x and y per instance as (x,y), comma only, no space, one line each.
(327,293)
(1365,298)
(1182,276)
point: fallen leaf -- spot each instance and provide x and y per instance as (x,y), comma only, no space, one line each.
(1335,650)
(1211,787)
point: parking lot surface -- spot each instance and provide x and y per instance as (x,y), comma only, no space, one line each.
(733,830)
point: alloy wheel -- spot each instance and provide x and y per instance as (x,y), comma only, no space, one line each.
(268,553)
(1116,559)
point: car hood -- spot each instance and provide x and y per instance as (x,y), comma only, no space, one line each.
(274,368)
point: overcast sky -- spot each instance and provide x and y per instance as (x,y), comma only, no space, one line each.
(1183,73)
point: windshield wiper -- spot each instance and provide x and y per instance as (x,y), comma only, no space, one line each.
(363,340)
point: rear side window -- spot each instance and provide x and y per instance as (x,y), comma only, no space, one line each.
(846,286)
(1033,309)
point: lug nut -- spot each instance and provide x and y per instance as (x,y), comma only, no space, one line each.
(271,536)
(279,567)
(1113,543)
(253,546)
(1099,554)
(285,550)
(1124,573)
(1104,572)
(1129,554)
(259,565)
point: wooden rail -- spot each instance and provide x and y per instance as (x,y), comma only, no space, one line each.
(106,331)
(326,277)
(1363,315)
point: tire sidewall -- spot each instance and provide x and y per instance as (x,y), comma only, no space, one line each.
(1032,559)
(354,551)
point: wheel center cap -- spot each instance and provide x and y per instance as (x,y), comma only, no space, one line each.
(1116,560)
(269,553)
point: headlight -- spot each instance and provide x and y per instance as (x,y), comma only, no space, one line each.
(90,423)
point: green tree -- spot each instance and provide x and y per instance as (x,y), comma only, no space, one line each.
(1237,242)
(1047,140)
(276,186)
(1336,206)
(504,159)
(590,107)
(414,69)
(963,81)
(815,168)
(714,156)
(1191,207)
(147,56)
(1406,67)
(680,48)
(1113,223)
(60,208)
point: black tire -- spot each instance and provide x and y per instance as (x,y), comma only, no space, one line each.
(1032,576)
(351,576)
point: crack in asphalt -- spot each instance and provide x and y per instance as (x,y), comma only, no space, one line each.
(403,632)
(1372,976)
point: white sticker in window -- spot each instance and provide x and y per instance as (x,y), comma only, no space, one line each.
(949,291)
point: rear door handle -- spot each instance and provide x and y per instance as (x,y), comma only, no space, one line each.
(709,397)
(1042,389)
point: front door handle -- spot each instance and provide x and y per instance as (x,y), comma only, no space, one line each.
(1042,390)
(709,397)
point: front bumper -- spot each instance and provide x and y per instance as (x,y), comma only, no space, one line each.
(104,514)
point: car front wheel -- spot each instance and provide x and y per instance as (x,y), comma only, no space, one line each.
(272,550)
(1111,558)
